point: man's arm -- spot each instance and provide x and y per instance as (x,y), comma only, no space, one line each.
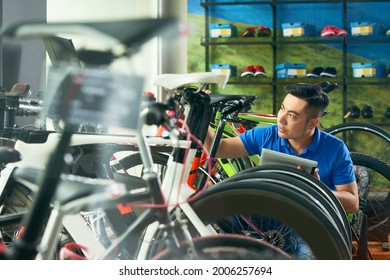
(228,147)
(348,196)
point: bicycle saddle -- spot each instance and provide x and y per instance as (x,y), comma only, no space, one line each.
(174,81)
(8,155)
(131,33)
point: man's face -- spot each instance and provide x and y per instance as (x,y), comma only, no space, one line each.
(293,121)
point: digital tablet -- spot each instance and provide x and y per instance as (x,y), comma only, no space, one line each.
(269,157)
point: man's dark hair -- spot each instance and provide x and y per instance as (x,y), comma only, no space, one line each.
(317,100)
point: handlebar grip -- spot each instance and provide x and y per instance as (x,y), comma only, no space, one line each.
(235,105)
(154,114)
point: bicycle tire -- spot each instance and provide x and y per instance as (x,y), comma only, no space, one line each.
(314,184)
(17,198)
(131,161)
(160,160)
(325,200)
(248,197)
(365,138)
(374,200)
(224,247)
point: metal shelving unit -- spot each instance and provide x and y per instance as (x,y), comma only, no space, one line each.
(275,40)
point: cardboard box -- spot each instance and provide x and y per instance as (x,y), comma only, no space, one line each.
(291,70)
(219,30)
(297,29)
(368,70)
(367,28)
(231,70)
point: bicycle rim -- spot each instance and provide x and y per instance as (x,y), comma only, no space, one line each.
(279,203)
(313,185)
(365,138)
(17,200)
(373,179)
(132,164)
(268,200)
(325,201)
(223,247)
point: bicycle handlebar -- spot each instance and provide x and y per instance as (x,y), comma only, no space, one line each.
(236,105)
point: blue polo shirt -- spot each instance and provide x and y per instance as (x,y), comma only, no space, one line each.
(334,161)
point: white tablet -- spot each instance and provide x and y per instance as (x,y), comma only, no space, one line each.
(269,157)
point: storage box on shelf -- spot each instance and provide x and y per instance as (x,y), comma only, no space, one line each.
(291,70)
(368,70)
(222,30)
(367,28)
(229,69)
(297,29)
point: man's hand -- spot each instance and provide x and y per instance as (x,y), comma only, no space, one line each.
(315,173)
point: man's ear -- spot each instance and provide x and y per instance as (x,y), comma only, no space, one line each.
(313,122)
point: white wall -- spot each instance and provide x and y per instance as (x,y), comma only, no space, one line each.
(153,58)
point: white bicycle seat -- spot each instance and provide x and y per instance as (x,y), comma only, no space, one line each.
(173,81)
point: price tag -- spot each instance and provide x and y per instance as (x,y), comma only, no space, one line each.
(94,96)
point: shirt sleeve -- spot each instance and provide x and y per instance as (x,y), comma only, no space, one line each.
(254,139)
(343,172)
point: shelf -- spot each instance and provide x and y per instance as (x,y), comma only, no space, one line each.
(309,2)
(368,81)
(281,81)
(250,81)
(334,40)
(310,40)
(236,41)
(285,81)
(277,45)
(294,40)
(235,2)
(273,2)
(368,39)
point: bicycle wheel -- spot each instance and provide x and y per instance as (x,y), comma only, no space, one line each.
(16,200)
(326,201)
(223,247)
(364,138)
(282,204)
(313,184)
(132,164)
(373,179)
(253,199)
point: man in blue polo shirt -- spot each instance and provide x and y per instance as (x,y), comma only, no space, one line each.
(296,133)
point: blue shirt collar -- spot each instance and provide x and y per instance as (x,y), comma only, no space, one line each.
(313,144)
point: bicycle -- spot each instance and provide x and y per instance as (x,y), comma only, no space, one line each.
(209,209)
(372,221)
(25,248)
(235,101)
(234,196)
